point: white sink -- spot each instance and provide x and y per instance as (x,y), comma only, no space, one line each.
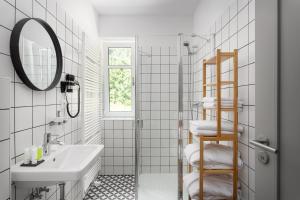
(67,163)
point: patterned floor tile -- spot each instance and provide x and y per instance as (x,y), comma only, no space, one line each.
(112,187)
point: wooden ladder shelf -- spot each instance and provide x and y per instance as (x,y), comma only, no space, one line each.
(217,60)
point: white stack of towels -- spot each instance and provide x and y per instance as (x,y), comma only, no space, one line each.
(216,156)
(216,187)
(209,127)
(211,102)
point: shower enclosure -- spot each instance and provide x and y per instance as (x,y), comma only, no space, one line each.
(164,104)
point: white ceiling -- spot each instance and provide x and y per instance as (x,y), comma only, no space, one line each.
(145,7)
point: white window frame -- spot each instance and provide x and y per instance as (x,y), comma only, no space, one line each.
(116,44)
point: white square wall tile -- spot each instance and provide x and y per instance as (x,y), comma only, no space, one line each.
(39,115)
(252,158)
(118,124)
(8,11)
(61,32)
(245,191)
(69,37)
(51,6)
(50,113)
(39,11)
(4,42)
(7,69)
(4,155)
(155,50)
(252,179)
(23,95)
(244,174)
(38,135)
(38,98)
(225,17)
(252,116)
(42,2)
(128,124)
(20,15)
(25,6)
(243,18)
(69,22)
(4,124)
(252,31)
(252,10)
(233,9)
(61,14)
(156,60)
(23,118)
(23,140)
(252,74)
(244,153)
(252,52)
(51,21)
(243,37)
(244,94)
(243,76)
(5,93)
(252,95)
(242,4)
(5,185)
(51,97)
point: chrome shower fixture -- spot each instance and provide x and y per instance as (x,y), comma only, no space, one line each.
(187,45)
(202,37)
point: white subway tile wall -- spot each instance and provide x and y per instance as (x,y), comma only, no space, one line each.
(24,114)
(158,109)
(158,91)
(236,29)
(119,151)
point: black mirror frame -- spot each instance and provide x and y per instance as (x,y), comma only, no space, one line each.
(15,53)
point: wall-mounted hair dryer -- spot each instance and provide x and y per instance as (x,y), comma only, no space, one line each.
(67,87)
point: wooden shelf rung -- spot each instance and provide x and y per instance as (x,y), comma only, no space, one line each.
(222,109)
(223,137)
(222,83)
(218,171)
(224,56)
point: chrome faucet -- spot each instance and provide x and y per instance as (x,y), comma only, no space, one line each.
(47,141)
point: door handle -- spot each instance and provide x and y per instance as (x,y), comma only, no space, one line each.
(264,144)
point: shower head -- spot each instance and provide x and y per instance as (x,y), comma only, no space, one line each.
(187,45)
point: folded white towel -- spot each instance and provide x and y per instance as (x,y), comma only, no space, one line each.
(223,105)
(223,99)
(216,156)
(215,186)
(212,125)
(226,102)
(198,132)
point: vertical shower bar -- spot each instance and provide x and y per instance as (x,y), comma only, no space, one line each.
(180,118)
(137,119)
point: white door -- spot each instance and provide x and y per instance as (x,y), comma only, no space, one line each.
(266,99)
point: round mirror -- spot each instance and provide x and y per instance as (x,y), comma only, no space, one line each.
(36,54)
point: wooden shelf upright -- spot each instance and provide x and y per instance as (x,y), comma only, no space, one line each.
(217,60)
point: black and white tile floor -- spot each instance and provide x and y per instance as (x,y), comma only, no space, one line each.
(112,187)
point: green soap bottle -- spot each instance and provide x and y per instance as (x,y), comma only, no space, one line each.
(39,154)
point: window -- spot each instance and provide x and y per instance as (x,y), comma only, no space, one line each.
(119,73)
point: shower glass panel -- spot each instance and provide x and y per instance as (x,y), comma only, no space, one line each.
(157,113)
(164,100)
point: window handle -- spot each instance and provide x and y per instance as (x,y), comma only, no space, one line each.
(132,81)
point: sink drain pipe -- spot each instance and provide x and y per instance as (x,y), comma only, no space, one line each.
(62,191)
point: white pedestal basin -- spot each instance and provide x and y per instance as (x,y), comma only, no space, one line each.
(67,163)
